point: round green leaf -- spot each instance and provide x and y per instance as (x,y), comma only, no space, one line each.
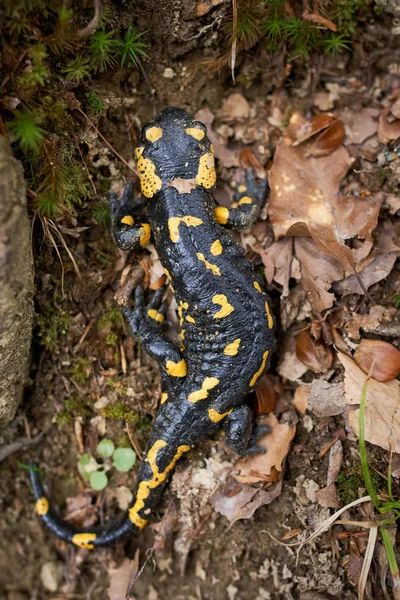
(106,448)
(87,465)
(124,459)
(98,480)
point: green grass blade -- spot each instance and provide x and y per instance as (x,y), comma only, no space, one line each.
(394,569)
(363,450)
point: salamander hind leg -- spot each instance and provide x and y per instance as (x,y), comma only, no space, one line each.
(241,435)
(248,200)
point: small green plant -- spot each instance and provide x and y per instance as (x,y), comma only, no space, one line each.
(27,132)
(94,101)
(103,50)
(119,411)
(51,326)
(396,301)
(334,43)
(78,68)
(121,459)
(131,47)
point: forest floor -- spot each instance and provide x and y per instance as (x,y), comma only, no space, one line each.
(324,131)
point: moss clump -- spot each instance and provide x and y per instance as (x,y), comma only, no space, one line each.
(350,480)
(52,326)
(81,370)
(120,411)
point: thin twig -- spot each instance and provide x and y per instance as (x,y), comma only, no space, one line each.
(84,163)
(93,23)
(8,450)
(234,39)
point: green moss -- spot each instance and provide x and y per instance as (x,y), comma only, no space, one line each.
(120,411)
(145,423)
(350,480)
(77,406)
(80,370)
(52,326)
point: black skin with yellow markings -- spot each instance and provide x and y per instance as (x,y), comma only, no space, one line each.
(228,330)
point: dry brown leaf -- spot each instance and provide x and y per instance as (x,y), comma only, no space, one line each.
(301,129)
(227,157)
(378,315)
(315,18)
(276,444)
(244,503)
(328,140)
(335,462)
(183,186)
(121,577)
(203,8)
(359,125)
(328,497)
(388,130)
(305,200)
(387,249)
(249,160)
(235,107)
(316,355)
(266,396)
(326,399)
(278,264)
(290,367)
(382,406)
(318,272)
(300,399)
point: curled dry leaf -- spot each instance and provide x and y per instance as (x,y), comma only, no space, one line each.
(301,129)
(248,160)
(382,406)
(244,503)
(266,396)
(388,130)
(378,358)
(305,200)
(328,140)
(263,467)
(300,399)
(313,353)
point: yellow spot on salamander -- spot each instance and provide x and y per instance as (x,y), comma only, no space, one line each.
(216,248)
(176,369)
(150,183)
(245,200)
(145,233)
(42,506)
(138,152)
(208,384)
(167,274)
(153,134)
(215,416)
(260,370)
(269,316)
(153,314)
(258,287)
(164,397)
(195,132)
(221,214)
(128,220)
(184,305)
(174,222)
(241,189)
(233,348)
(210,266)
(206,175)
(190,319)
(157,479)
(83,540)
(226,308)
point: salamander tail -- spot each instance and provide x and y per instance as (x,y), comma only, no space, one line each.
(91,538)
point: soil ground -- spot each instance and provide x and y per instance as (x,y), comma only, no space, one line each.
(90,362)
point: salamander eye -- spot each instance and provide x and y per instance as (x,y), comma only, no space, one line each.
(154,133)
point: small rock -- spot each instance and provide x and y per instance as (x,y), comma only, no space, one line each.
(235,107)
(51,575)
(169,73)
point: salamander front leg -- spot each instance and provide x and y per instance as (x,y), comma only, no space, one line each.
(145,322)
(127,234)
(248,200)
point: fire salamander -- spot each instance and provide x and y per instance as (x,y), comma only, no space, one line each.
(227,325)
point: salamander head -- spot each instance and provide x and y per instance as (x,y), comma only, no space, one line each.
(174,146)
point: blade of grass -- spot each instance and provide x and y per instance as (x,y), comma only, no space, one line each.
(394,569)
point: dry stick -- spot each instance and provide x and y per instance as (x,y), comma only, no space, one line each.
(7,450)
(234,39)
(107,142)
(92,25)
